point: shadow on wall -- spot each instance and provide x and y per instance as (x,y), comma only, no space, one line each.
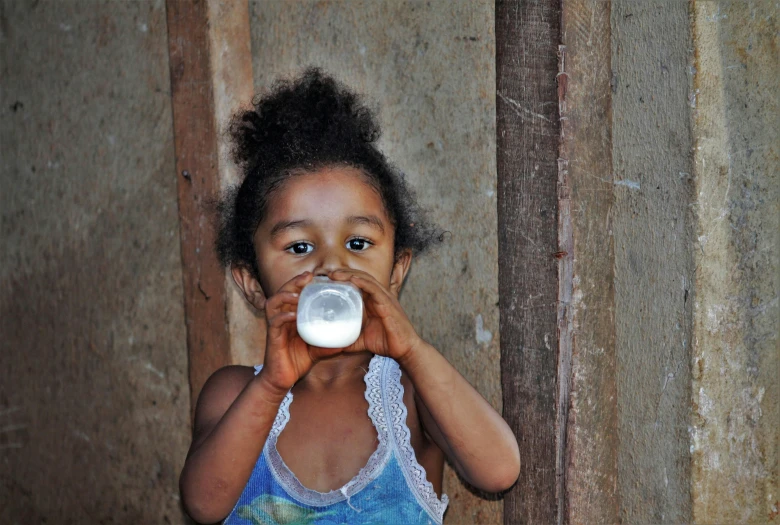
(94,406)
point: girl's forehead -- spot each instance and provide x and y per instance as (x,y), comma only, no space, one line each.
(329,193)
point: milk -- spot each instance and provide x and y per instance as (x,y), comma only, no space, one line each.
(330,334)
(330,313)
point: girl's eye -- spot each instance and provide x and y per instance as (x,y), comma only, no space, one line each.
(300,248)
(358,245)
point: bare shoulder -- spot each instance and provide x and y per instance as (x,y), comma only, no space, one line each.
(228,378)
(219,392)
(222,388)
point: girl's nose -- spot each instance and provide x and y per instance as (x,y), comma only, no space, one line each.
(329,261)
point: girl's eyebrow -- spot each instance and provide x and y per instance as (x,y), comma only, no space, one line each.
(370,220)
(282,226)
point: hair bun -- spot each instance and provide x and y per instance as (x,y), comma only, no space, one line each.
(307,116)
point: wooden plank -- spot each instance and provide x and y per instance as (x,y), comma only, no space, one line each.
(528,130)
(231,69)
(588,393)
(208,342)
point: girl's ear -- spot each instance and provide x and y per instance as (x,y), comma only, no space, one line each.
(400,269)
(252,290)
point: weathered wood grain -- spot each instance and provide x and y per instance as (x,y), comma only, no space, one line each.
(231,80)
(528,130)
(588,404)
(192,96)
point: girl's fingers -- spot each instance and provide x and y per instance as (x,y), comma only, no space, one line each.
(280,300)
(390,330)
(286,299)
(365,282)
(297,283)
(280,319)
(378,300)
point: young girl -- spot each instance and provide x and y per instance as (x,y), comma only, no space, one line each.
(320,435)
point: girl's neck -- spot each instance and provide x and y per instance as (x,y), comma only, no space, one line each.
(337,370)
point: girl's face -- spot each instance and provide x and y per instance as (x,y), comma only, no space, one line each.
(323,221)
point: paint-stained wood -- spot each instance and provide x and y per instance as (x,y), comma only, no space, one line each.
(588,404)
(195,133)
(527,38)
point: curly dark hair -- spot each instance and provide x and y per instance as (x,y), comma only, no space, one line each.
(304,125)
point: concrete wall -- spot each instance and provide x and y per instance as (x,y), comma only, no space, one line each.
(695,152)
(430,67)
(736,356)
(94,405)
(653,259)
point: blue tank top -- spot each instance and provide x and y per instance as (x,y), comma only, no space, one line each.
(392,487)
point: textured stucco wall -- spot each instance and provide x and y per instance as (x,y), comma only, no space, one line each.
(695,105)
(653,260)
(736,357)
(430,67)
(94,405)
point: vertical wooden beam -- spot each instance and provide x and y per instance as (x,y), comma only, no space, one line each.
(588,401)
(528,132)
(208,342)
(233,87)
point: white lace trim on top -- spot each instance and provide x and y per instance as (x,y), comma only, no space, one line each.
(381,371)
(285,477)
(416,477)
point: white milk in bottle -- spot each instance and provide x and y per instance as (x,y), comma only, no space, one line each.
(330,313)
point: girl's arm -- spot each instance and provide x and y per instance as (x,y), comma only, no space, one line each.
(232,420)
(235,412)
(474,437)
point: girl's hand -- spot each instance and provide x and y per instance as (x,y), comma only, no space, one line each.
(287,356)
(387,330)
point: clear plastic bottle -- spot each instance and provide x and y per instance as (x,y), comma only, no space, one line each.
(330,313)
